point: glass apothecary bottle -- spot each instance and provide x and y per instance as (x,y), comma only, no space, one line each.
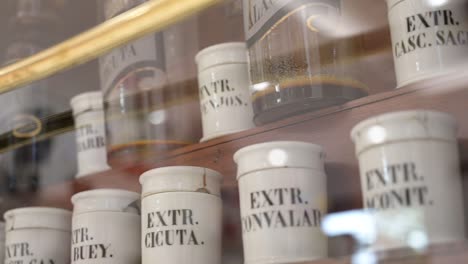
(298,62)
(147,113)
(23,120)
(25,113)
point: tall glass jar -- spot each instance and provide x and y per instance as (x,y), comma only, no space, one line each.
(297,61)
(147,114)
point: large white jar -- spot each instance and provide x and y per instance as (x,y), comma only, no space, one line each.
(409,160)
(106,227)
(283,197)
(429,37)
(38,235)
(181,216)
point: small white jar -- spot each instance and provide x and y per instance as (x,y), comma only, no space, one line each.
(409,160)
(106,227)
(429,37)
(90,133)
(181,215)
(283,197)
(223,81)
(37,235)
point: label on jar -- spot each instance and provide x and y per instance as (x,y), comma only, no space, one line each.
(396,186)
(182,227)
(106,237)
(137,66)
(260,16)
(89,138)
(420,174)
(282,209)
(428,39)
(91,142)
(264,215)
(44,246)
(225,100)
(219,94)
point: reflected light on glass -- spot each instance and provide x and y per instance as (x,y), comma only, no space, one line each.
(436,2)
(261,86)
(157,117)
(365,257)
(277,157)
(358,224)
(377,134)
(418,240)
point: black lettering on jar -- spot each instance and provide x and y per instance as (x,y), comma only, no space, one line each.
(220,94)
(84,249)
(172,227)
(278,217)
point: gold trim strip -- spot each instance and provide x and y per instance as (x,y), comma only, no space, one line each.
(149,17)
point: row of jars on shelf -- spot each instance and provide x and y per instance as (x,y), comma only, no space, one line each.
(407,160)
(295,59)
(299,60)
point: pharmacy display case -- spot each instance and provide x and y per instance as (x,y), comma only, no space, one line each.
(235,131)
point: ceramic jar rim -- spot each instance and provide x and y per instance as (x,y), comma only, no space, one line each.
(45,217)
(178,179)
(263,163)
(392,3)
(106,200)
(224,53)
(395,121)
(87,101)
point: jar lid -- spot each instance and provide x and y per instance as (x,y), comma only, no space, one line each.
(279,154)
(38,217)
(108,200)
(87,101)
(181,179)
(404,125)
(231,52)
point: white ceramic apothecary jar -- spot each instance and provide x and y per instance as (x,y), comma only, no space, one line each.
(429,37)
(2,240)
(106,227)
(283,197)
(38,235)
(88,111)
(181,215)
(409,160)
(224,90)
